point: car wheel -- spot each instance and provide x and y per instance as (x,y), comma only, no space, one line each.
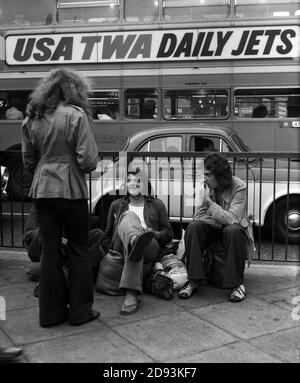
(19,181)
(288,221)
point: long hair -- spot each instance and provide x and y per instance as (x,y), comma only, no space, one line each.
(61,85)
(220,168)
(147,191)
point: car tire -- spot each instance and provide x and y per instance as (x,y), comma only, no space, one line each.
(281,220)
(19,181)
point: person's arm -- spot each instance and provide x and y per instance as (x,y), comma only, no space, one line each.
(201,212)
(86,148)
(165,233)
(235,211)
(29,155)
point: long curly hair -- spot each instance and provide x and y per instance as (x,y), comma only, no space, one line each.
(61,85)
(220,168)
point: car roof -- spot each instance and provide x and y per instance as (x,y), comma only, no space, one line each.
(181,129)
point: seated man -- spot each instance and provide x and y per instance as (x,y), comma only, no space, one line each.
(33,243)
(138,226)
(221,216)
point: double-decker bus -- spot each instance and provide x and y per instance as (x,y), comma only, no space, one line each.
(152,63)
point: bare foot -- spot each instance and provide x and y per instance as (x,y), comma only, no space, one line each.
(130,303)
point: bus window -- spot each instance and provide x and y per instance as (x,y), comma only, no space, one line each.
(13,104)
(267,8)
(146,11)
(105,105)
(195,10)
(14,13)
(270,103)
(195,104)
(86,11)
(141,103)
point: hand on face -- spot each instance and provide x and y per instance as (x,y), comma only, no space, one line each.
(205,196)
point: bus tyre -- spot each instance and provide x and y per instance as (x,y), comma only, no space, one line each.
(19,181)
(289,221)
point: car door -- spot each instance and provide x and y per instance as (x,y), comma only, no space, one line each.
(165,173)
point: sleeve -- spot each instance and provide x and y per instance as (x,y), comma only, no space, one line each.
(235,211)
(86,148)
(29,155)
(166,232)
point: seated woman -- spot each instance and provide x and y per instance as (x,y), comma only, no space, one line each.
(138,226)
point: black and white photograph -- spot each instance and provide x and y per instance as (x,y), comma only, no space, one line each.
(150,185)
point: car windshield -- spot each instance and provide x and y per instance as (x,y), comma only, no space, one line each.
(240,143)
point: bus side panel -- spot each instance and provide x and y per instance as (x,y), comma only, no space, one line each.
(109,135)
(10,133)
(196,79)
(288,138)
(247,130)
(269,134)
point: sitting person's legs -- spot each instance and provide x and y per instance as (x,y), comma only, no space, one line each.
(198,237)
(235,243)
(129,230)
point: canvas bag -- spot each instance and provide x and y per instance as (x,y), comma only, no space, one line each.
(109,274)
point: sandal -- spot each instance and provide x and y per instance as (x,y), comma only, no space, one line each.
(238,294)
(187,290)
(131,309)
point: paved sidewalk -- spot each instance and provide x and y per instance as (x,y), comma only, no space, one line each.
(205,328)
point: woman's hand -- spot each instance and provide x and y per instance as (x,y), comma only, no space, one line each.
(156,234)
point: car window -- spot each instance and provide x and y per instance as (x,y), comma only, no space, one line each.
(200,143)
(163,144)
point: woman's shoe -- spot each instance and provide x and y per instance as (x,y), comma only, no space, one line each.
(188,289)
(238,294)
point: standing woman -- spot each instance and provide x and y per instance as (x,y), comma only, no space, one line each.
(58,149)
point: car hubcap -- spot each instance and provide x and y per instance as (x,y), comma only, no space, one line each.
(293,220)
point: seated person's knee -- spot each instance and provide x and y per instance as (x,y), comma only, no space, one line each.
(232,230)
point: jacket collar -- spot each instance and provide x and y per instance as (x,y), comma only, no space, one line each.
(125,199)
